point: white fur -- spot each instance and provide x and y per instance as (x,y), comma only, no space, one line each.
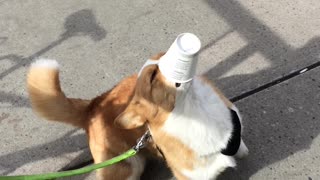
(243,150)
(202,121)
(215,166)
(147,63)
(137,165)
(233,107)
(45,63)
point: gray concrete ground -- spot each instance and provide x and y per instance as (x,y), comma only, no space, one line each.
(245,44)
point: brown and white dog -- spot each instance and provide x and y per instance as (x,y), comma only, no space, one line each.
(95,116)
(196,127)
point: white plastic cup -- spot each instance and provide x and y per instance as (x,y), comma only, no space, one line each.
(180,61)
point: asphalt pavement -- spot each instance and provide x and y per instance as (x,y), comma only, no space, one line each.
(263,54)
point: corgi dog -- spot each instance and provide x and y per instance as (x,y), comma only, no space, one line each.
(95,116)
(195,126)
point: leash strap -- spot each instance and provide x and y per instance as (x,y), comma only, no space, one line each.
(84,170)
(140,144)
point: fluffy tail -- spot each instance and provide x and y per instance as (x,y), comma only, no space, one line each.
(47,98)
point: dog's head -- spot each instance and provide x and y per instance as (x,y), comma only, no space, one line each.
(154,95)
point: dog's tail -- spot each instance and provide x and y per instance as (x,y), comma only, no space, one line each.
(47,98)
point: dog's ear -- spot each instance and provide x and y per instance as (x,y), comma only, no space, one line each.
(130,119)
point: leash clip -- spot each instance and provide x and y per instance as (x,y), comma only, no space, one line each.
(142,142)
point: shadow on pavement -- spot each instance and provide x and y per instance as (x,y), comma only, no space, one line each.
(270,138)
(262,138)
(275,137)
(80,23)
(279,135)
(13,99)
(67,143)
(3,40)
(260,39)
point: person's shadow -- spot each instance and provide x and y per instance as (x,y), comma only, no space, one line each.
(80,23)
(275,126)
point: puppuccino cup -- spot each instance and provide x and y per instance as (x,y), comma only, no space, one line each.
(180,61)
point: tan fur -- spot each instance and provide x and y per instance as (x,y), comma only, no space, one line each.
(44,87)
(95,116)
(153,102)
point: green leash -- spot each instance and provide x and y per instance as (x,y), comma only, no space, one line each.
(141,144)
(84,170)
